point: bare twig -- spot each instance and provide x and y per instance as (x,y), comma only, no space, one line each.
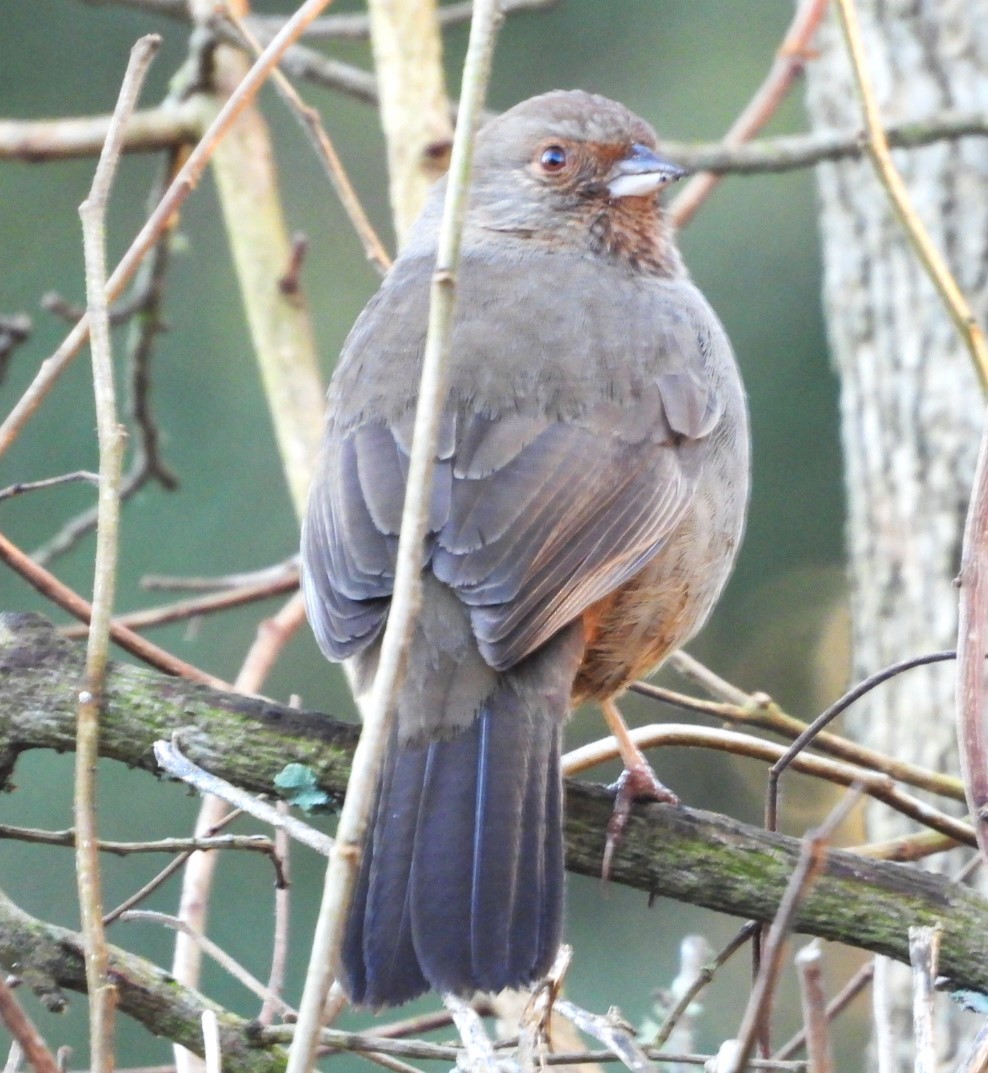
(49,585)
(164,127)
(24,1033)
(179,189)
(971,647)
(789,62)
(312,124)
(345,857)
(15,330)
(612,1031)
(250,843)
(202,605)
(929,256)
(924,951)
(703,977)
(220,956)
(857,983)
(102,994)
(874,784)
(171,760)
(48,482)
(479,1056)
(279,939)
(263,576)
(811,861)
(814,1004)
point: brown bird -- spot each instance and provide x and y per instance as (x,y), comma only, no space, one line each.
(590,489)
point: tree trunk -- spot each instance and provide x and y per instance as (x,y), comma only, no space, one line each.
(911,408)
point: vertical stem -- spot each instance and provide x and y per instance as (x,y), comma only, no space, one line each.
(344,858)
(102,994)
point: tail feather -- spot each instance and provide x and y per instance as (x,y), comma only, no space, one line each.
(461,885)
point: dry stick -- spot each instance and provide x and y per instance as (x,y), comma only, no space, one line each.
(874,784)
(826,717)
(171,760)
(217,953)
(48,585)
(148,131)
(611,1031)
(703,978)
(924,951)
(814,1006)
(789,62)
(858,982)
(102,994)
(929,256)
(201,605)
(264,575)
(169,870)
(179,189)
(812,858)
(345,857)
(254,843)
(23,1032)
(762,712)
(48,482)
(326,151)
(282,907)
(197,882)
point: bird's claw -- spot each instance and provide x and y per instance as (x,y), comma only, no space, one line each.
(636,783)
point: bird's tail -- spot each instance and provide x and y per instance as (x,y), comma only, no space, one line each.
(461,882)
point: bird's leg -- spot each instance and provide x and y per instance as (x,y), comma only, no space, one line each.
(638,782)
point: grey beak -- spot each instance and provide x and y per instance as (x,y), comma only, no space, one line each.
(641,172)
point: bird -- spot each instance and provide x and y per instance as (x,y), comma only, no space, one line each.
(589,497)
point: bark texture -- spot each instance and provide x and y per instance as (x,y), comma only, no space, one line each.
(911,408)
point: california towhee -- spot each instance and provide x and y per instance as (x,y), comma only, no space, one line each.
(590,490)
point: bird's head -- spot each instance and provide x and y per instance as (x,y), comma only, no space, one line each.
(571,169)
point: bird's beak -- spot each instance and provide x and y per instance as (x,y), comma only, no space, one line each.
(641,172)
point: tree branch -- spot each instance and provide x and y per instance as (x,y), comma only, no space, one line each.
(692,856)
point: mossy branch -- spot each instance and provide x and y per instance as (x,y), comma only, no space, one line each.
(696,857)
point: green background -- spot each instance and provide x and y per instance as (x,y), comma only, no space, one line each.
(687,66)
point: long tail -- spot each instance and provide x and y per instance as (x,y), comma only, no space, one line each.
(461,883)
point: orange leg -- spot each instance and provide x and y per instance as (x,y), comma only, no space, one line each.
(638,782)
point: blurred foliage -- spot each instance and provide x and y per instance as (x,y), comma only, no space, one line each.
(686,65)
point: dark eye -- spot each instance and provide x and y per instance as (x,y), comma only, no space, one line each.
(553,158)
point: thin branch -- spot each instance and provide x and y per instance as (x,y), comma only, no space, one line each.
(311,123)
(48,482)
(102,993)
(611,1030)
(200,605)
(24,1033)
(171,760)
(179,189)
(929,256)
(850,991)
(66,838)
(217,953)
(49,586)
(345,858)
(814,1005)
(924,951)
(812,859)
(39,140)
(789,62)
(874,784)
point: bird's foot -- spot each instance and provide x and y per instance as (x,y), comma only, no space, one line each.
(636,783)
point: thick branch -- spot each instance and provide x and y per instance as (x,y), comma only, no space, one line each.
(696,857)
(49,959)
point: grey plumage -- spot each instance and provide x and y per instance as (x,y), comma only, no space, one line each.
(593,451)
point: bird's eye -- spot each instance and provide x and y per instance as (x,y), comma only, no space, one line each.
(553,159)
